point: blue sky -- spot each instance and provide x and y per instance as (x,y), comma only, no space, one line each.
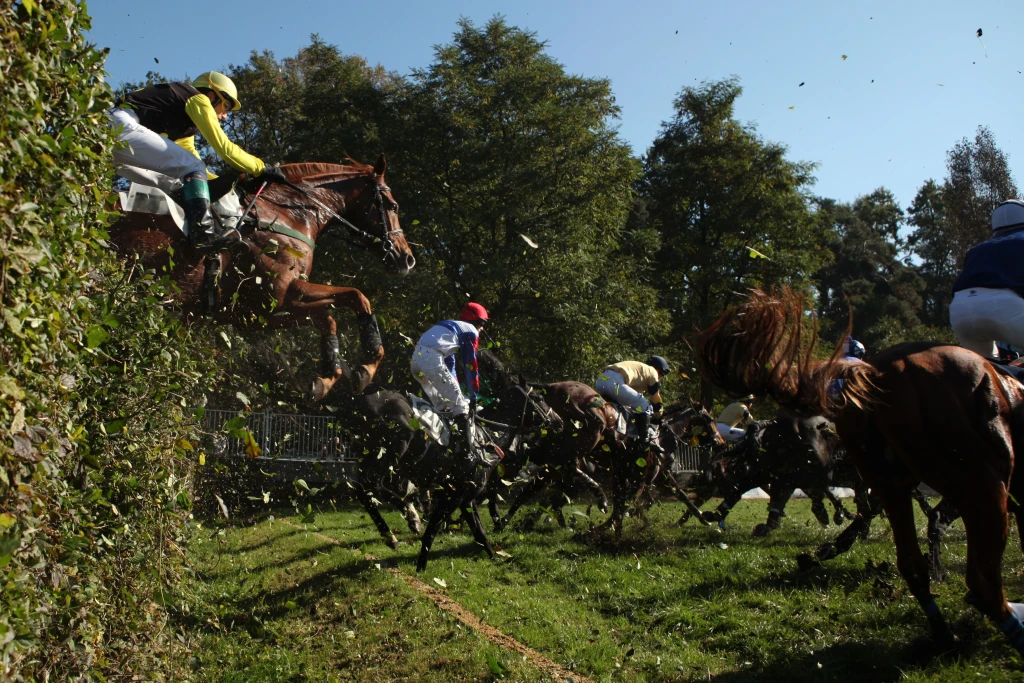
(916,78)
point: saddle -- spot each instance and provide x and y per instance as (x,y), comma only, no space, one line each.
(626,427)
(436,427)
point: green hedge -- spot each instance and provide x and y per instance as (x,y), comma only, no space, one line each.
(96,443)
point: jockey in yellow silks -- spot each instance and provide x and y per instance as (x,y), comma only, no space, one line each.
(151,118)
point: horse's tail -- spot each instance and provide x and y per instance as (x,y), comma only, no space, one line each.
(758,347)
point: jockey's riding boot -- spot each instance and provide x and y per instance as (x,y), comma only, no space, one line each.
(466,430)
(197,208)
(642,423)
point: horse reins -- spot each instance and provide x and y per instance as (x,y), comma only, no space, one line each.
(367,239)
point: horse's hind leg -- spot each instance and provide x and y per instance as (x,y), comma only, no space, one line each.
(939,519)
(841,512)
(987,523)
(779,495)
(472,514)
(911,562)
(364,498)
(440,508)
(818,506)
(867,509)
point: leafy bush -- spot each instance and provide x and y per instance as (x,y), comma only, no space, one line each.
(95,377)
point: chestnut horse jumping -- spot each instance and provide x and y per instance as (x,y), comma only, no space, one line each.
(264,281)
(915,412)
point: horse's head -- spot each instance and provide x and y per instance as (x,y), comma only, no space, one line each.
(381,214)
(525,410)
(354,200)
(692,426)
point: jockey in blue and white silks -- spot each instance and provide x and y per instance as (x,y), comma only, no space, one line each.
(433,362)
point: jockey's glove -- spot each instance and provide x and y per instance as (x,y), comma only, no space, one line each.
(273,174)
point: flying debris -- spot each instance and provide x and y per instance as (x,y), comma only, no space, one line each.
(982,44)
(156,60)
(979,33)
(801,84)
(844,58)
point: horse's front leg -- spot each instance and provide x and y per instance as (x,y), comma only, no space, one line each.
(315,301)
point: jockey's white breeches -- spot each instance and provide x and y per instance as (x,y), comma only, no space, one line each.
(439,386)
(143,150)
(612,386)
(980,317)
(730,434)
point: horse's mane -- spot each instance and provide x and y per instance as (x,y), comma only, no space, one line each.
(315,173)
(758,347)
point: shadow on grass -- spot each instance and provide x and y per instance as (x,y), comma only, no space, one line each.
(846,661)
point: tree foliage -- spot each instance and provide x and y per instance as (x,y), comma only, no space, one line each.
(978,180)
(729,209)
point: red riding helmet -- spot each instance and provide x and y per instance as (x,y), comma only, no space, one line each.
(473,312)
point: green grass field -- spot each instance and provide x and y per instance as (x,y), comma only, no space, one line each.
(668,603)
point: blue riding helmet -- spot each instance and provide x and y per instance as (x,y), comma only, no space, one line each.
(856,349)
(659,364)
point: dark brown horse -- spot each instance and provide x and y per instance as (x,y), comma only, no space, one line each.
(265,279)
(590,435)
(916,412)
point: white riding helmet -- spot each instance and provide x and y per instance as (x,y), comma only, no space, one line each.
(1009,214)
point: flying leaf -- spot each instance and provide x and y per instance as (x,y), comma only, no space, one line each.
(440,582)
(754,253)
(202,458)
(844,58)
(243,398)
(223,507)
(792,108)
(501,553)
(297,253)
(300,484)
(528,241)
(252,449)
(641,462)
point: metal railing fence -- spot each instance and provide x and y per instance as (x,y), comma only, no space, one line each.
(284,436)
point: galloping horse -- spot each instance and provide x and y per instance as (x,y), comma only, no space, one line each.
(265,279)
(915,412)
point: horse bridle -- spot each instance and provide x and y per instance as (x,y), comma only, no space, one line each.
(367,240)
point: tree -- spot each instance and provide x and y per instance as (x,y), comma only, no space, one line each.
(867,275)
(730,209)
(320,105)
(979,179)
(522,187)
(932,250)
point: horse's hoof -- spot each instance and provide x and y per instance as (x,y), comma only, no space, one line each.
(944,639)
(393,543)
(806,563)
(761,530)
(360,379)
(825,552)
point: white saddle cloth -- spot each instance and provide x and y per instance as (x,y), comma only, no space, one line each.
(146,199)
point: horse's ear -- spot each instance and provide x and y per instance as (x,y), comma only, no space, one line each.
(380,166)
